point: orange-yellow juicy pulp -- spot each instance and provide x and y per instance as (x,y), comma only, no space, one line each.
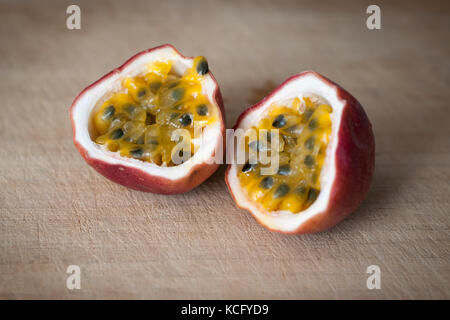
(140,121)
(304,127)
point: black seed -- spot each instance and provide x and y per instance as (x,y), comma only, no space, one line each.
(309,160)
(202,67)
(300,190)
(308,113)
(313,124)
(309,143)
(116,134)
(266,183)
(141,93)
(312,195)
(174,115)
(150,119)
(108,112)
(185,119)
(154,86)
(177,93)
(284,170)
(279,122)
(202,110)
(281,191)
(137,153)
(248,167)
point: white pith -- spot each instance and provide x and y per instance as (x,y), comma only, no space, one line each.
(283,220)
(98,93)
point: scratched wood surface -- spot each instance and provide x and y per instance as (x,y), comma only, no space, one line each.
(56,211)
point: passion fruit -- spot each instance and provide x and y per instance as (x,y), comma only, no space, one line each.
(127,124)
(325,156)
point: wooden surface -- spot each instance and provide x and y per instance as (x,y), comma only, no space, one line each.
(56,211)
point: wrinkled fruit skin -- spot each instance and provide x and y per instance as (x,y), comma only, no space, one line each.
(355,161)
(135,178)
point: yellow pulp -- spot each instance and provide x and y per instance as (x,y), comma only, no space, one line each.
(304,127)
(140,121)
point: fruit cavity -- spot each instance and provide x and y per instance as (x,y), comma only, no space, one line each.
(302,127)
(140,121)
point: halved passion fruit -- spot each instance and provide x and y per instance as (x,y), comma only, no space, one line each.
(323,145)
(154,124)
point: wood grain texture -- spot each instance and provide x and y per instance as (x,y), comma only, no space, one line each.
(56,211)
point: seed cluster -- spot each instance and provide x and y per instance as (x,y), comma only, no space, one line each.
(304,127)
(139,121)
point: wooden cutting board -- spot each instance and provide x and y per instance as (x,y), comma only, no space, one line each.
(56,211)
